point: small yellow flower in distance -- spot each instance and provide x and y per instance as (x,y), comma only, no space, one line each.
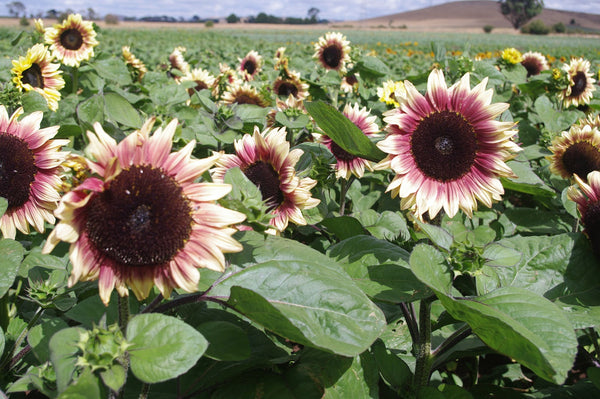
(512,56)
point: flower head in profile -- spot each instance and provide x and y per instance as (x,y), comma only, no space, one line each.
(136,66)
(36,72)
(346,163)
(581,83)
(29,172)
(202,80)
(243,94)
(143,219)
(333,51)
(72,41)
(534,62)
(446,148)
(178,63)
(512,56)
(250,65)
(576,151)
(290,85)
(266,160)
(588,204)
(392,93)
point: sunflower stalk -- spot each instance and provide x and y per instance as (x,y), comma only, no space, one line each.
(74,79)
(423,345)
(457,336)
(345,185)
(11,357)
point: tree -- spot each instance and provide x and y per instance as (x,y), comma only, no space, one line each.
(232,19)
(15,8)
(313,14)
(91,14)
(518,12)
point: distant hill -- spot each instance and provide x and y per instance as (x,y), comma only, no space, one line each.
(473,15)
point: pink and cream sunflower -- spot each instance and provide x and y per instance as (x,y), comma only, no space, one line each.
(143,220)
(446,148)
(266,160)
(534,62)
(250,65)
(179,63)
(29,172)
(36,72)
(243,94)
(290,85)
(72,41)
(202,80)
(333,51)
(581,83)
(576,151)
(348,164)
(588,204)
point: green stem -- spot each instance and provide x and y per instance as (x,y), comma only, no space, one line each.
(424,357)
(9,355)
(457,336)
(74,80)
(343,190)
(123,304)
(145,390)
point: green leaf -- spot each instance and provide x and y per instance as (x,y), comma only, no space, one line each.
(85,387)
(120,110)
(39,337)
(387,225)
(359,381)
(536,221)
(392,368)
(439,236)
(522,325)
(33,101)
(298,287)
(163,347)
(342,131)
(63,352)
(429,265)
(593,374)
(226,341)
(527,181)
(372,67)
(2,341)
(555,121)
(343,226)
(113,69)
(114,377)
(91,110)
(379,268)
(10,261)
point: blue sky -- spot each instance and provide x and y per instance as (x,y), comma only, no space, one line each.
(329,9)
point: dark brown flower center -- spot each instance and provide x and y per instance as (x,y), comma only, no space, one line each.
(351,79)
(340,154)
(33,76)
(17,170)
(71,39)
(533,66)
(332,56)
(579,84)
(200,85)
(249,66)
(140,219)
(266,179)
(285,88)
(244,98)
(581,158)
(444,145)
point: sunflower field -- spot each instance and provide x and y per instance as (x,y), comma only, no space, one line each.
(234,213)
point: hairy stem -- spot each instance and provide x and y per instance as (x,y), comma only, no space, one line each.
(424,357)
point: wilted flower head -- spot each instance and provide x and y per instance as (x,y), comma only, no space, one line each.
(446,148)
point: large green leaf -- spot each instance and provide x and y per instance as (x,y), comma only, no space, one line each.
(429,265)
(379,268)
(85,387)
(226,341)
(342,131)
(302,295)
(527,181)
(523,325)
(113,69)
(39,336)
(163,347)
(12,254)
(120,110)
(63,350)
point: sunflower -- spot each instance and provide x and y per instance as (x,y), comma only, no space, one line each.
(392,93)
(137,67)
(29,171)
(348,164)
(178,62)
(333,51)
(72,41)
(143,220)
(581,84)
(446,147)
(350,82)
(291,85)
(588,204)
(202,79)
(266,160)
(534,62)
(250,65)
(243,94)
(576,151)
(512,56)
(291,106)
(36,72)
